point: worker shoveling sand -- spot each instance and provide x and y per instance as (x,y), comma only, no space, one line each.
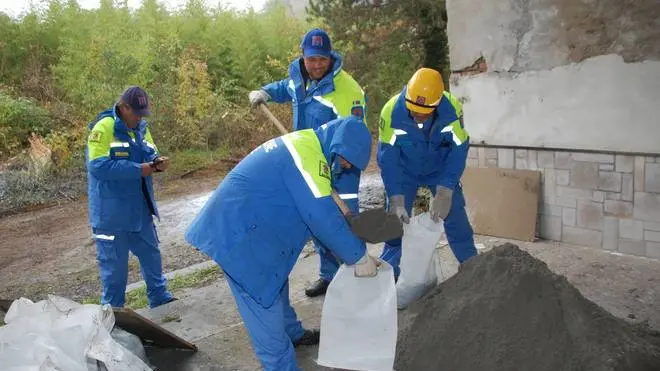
(505,310)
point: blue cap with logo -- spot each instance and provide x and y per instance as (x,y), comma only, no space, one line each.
(316,43)
(137,99)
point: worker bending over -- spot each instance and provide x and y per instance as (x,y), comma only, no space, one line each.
(422,142)
(259,218)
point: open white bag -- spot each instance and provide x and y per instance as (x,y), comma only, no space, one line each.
(60,334)
(359,321)
(418,258)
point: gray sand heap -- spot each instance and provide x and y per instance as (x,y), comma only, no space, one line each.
(506,311)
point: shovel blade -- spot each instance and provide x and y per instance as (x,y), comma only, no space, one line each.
(376,225)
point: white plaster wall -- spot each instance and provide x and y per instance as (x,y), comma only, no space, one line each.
(488,31)
(601,103)
(525,35)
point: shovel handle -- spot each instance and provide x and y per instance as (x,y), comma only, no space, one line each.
(342,205)
(273,119)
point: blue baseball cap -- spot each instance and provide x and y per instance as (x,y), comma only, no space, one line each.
(316,43)
(137,99)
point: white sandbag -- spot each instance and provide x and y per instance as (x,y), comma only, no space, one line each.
(59,334)
(130,342)
(418,258)
(359,321)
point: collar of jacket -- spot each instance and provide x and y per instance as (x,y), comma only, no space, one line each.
(325,86)
(401,118)
(122,130)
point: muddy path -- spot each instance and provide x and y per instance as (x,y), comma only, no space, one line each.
(50,251)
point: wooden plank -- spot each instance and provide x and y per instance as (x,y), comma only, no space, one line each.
(502,202)
(146,329)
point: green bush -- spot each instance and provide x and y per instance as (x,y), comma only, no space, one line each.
(18,118)
(198,64)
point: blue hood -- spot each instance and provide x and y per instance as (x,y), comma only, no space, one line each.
(110,112)
(120,127)
(347,137)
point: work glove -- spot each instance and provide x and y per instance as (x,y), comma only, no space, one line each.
(397,205)
(257,97)
(441,203)
(367,266)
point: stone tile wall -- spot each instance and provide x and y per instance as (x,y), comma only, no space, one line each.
(607,201)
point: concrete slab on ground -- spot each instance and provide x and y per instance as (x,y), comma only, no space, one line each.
(626,286)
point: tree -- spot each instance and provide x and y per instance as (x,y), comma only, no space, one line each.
(385,40)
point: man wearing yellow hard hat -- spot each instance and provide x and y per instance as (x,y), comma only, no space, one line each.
(422,142)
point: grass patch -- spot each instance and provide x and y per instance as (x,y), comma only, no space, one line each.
(26,188)
(92,300)
(137,298)
(193,159)
(170,318)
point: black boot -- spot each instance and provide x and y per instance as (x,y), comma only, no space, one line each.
(319,287)
(310,337)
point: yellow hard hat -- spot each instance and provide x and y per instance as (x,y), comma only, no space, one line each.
(424,91)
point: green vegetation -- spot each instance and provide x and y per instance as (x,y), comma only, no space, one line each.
(60,65)
(137,298)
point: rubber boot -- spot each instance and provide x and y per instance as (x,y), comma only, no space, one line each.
(319,287)
(310,337)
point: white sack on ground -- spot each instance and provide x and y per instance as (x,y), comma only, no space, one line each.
(60,334)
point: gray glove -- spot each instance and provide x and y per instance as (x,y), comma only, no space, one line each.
(441,203)
(397,205)
(258,96)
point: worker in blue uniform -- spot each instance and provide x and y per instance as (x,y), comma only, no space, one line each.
(121,157)
(320,90)
(259,218)
(423,142)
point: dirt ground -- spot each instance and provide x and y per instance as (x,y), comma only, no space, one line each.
(51,251)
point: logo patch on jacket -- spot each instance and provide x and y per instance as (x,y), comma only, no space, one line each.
(95,136)
(357,111)
(324,170)
(121,154)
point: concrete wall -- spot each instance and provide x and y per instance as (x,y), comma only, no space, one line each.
(542,73)
(576,82)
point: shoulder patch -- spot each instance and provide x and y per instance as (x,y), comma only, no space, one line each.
(95,136)
(324,170)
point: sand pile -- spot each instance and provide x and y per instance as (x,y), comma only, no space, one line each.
(505,310)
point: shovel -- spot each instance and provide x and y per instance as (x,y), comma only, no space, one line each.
(374,225)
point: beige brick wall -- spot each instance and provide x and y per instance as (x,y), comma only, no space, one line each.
(607,201)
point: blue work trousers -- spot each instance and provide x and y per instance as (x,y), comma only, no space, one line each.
(112,249)
(272,330)
(457,228)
